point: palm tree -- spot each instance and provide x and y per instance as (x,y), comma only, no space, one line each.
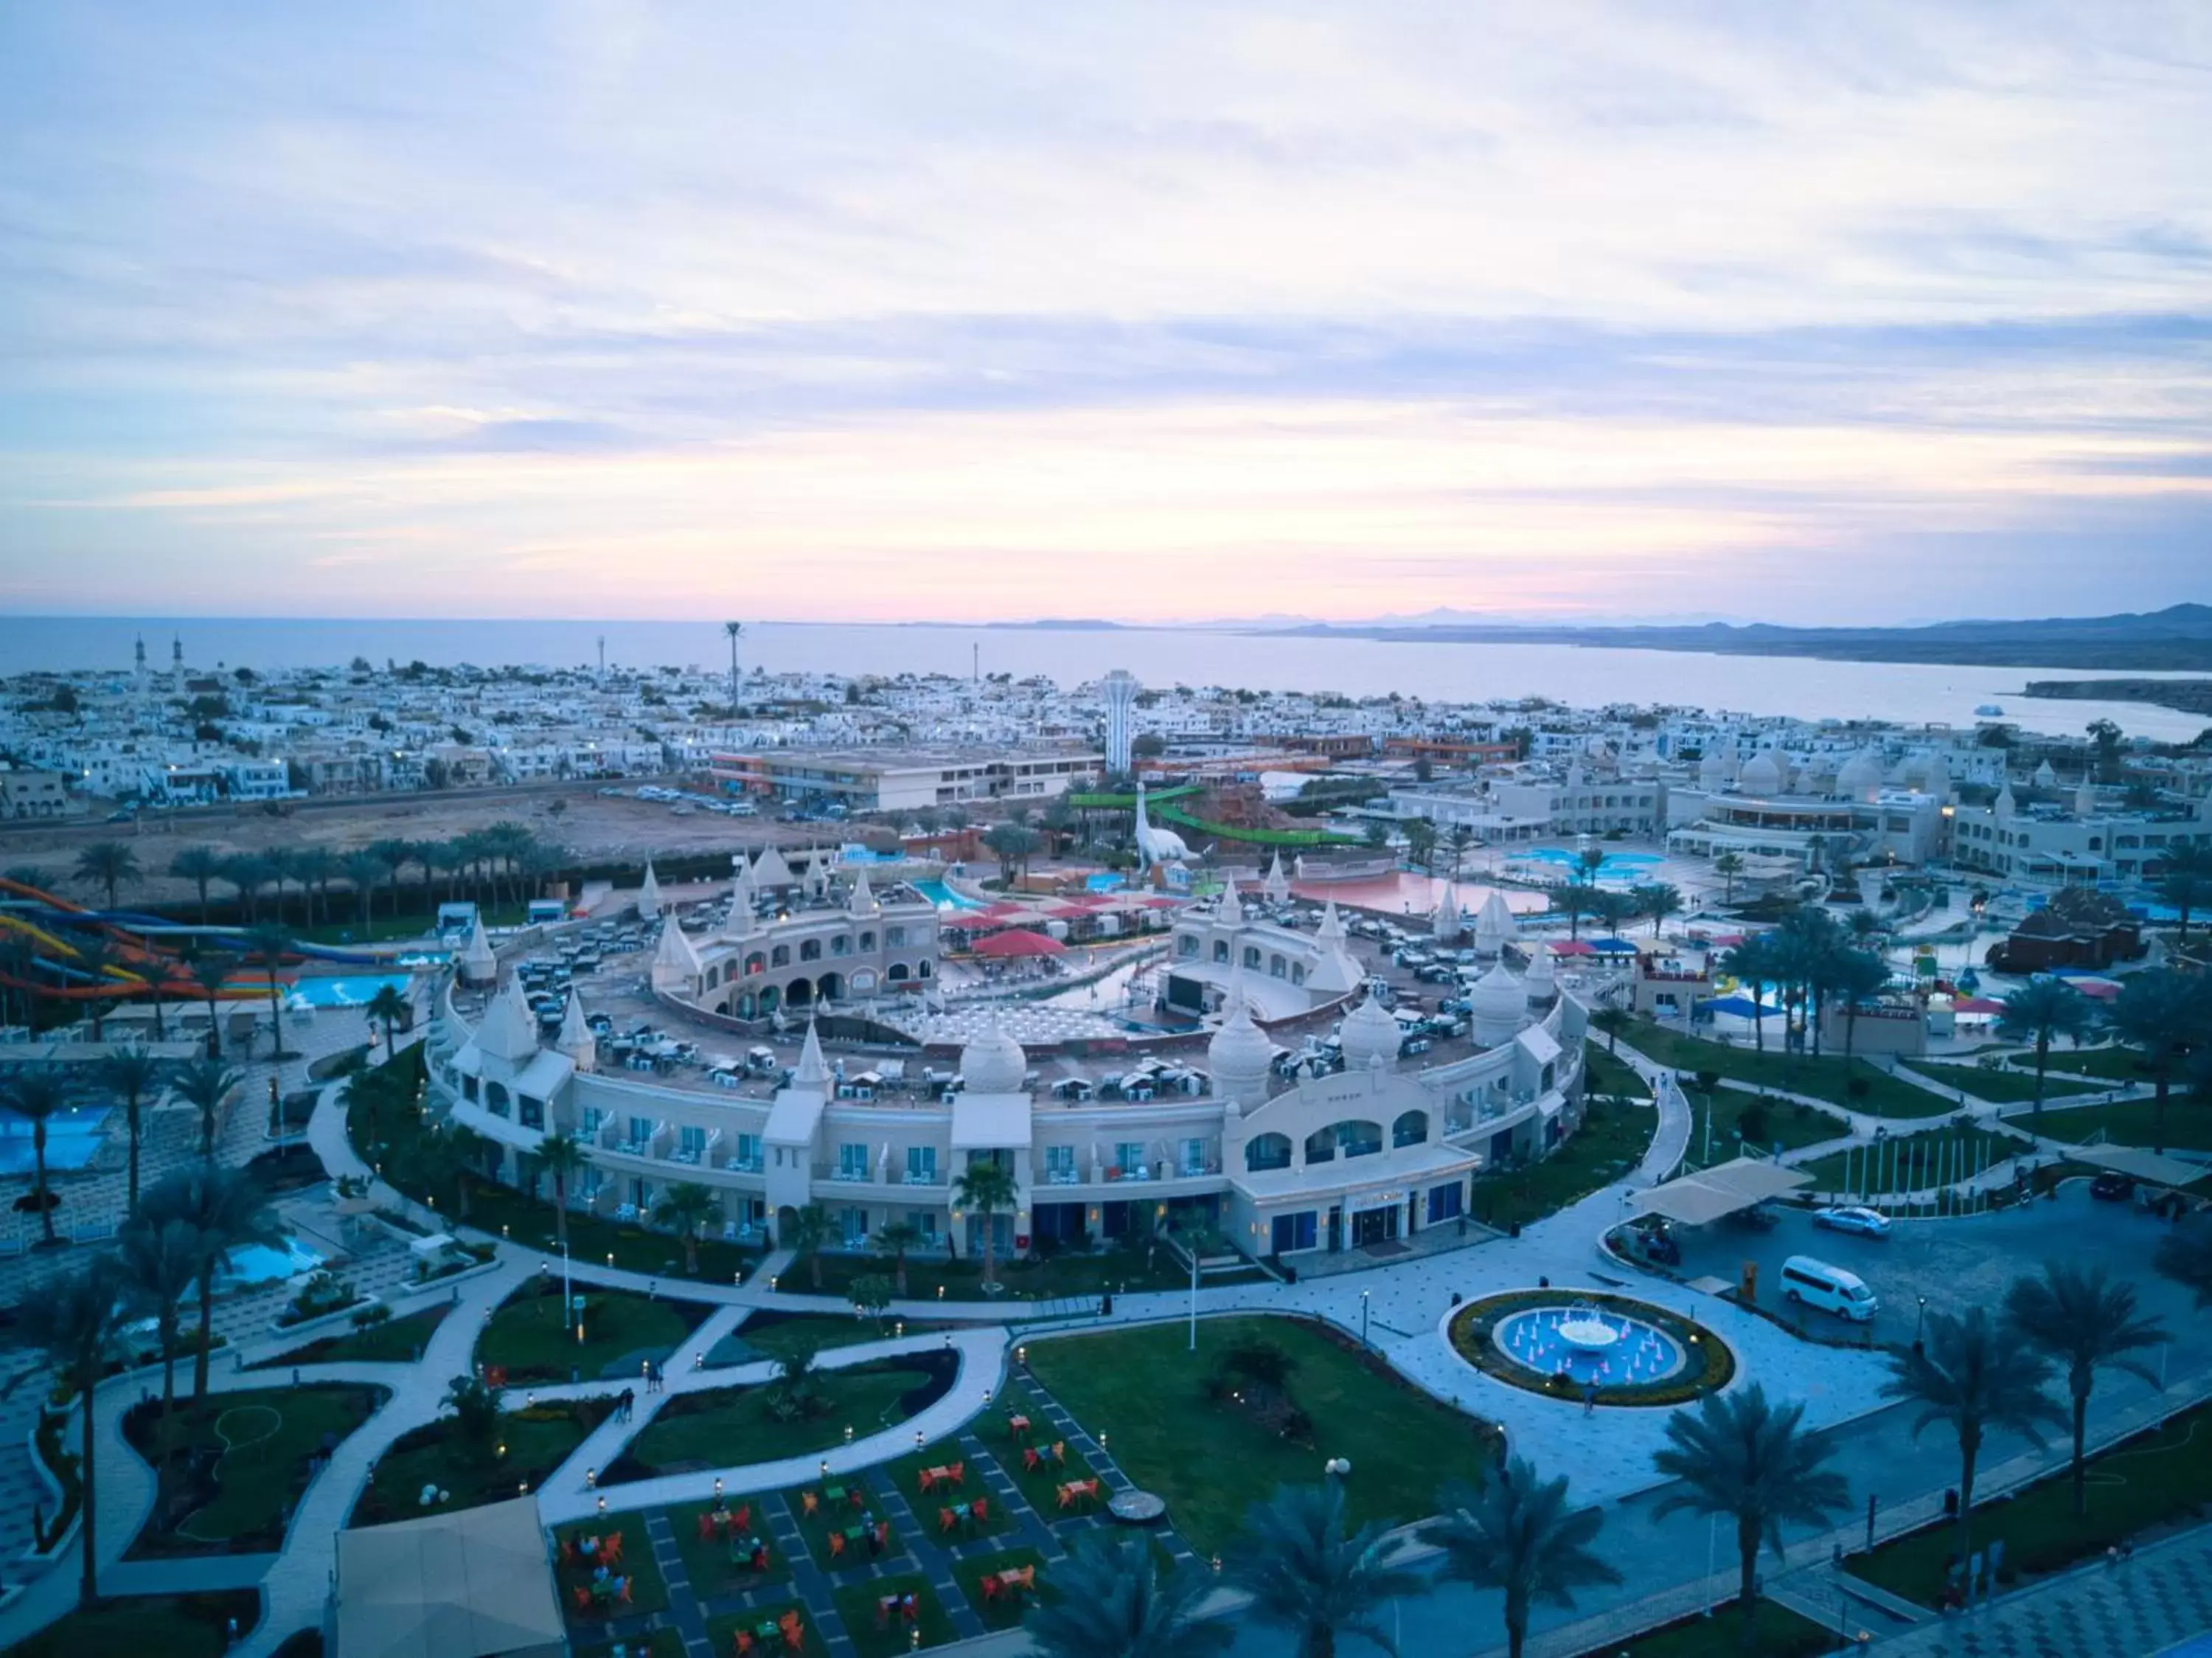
(808,1229)
(1589,860)
(36,1097)
(1740,1456)
(1866,928)
(312,867)
(96,959)
(1116,1600)
(228,1211)
(363,872)
(1976,1374)
(687,1207)
(1727,866)
(200,865)
(2187,880)
(211,974)
(463,1149)
(895,1238)
(1856,976)
(1660,901)
(204,1084)
(108,864)
(1752,963)
(249,875)
(1572,902)
(2185,1255)
(1308,1573)
(158,1266)
(389,1006)
(270,944)
(986,1189)
(74,1319)
(1518,1535)
(2084,1322)
(282,866)
(2038,1011)
(561,1156)
(2163,1015)
(131,1074)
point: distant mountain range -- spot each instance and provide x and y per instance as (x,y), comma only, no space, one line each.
(2176,638)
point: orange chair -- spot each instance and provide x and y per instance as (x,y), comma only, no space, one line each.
(795,1632)
(622,1590)
(583,1598)
(808,1503)
(610,1549)
(744,1643)
(495,1375)
(883,1534)
(926,1478)
(836,1544)
(946,1520)
(1066,1497)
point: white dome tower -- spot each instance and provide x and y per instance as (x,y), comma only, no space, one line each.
(993,1062)
(1496,1007)
(1369,1034)
(1240,1052)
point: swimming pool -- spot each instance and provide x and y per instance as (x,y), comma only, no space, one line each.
(943,896)
(73,1140)
(1108,882)
(1618,866)
(357,991)
(258,1263)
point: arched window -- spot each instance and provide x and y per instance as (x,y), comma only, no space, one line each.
(809,949)
(898,973)
(1297,974)
(714,978)
(1321,1146)
(756,963)
(1186,947)
(1265,1151)
(842,945)
(1356,1137)
(1221,951)
(780,956)
(863,980)
(1251,955)
(868,939)
(496,1098)
(922,970)
(1277,966)
(1412,1129)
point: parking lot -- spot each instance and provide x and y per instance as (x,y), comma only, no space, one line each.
(1956,1264)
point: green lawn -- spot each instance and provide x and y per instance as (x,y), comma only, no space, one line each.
(905,1473)
(537,1439)
(1607,1075)
(528,1337)
(395,1341)
(2111,1064)
(840,1514)
(1002,1613)
(722,1633)
(707,1560)
(1828,1078)
(778,1335)
(934,1278)
(1778,1632)
(730,1426)
(1142,1390)
(857,1607)
(1762,1122)
(263,1441)
(1920,1158)
(1997,1084)
(1040,1485)
(2160,1477)
(173,1625)
(1610,1143)
(387,929)
(2131,1123)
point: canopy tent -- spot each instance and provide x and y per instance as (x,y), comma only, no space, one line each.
(1699,1199)
(474,1583)
(1612,946)
(2153,1168)
(1977,1004)
(1570,947)
(1742,1006)
(1018,942)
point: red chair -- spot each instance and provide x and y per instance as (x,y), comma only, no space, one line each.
(836,1544)
(495,1375)
(744,1643)
(979,1511)
(568,1551)
(583,1598)
(795,1632)
(990,1586)
(808,1503)
(883,1534)
(1030,1460)
(855,1496)
(622,1590)
(946,1520)
(958,1473)
(708,1525)
(610,1549)
(742,1521)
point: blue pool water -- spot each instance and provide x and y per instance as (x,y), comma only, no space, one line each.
(258,1263)
(352,992)
(1639,1354)
(941,895)
(1107,882)
(1616,863)
(73,1139)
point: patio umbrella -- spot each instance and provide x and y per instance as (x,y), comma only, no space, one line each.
(1572,947)
(1018,942)
(1742,1006)
(1613,946)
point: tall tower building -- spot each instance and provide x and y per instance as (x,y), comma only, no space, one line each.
(1120,689)
(140,674)
(176,666)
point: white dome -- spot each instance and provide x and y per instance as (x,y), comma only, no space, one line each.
(1861,776)
(1713,770)
(1369,1032)
(1239,1054)
(993,1062)
(1540,981)
(1498,996)
(1761,775)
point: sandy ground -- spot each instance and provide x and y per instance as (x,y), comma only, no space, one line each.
(573,815)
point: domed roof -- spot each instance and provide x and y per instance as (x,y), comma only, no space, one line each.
(1369,1032)
(1498,998)
(1862,772)
(1240,1050)
(1761,775)
(1540,980)
(993,1062)
(1713,770)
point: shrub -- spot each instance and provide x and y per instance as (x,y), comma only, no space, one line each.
(374,1313)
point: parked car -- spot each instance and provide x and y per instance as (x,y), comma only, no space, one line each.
(1850,1217)
(2113,1187)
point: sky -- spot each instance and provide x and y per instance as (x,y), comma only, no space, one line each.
(1872,314)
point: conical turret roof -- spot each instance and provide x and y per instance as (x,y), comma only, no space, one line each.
(509,1030)
(648,894)
(812,1070)
(1369,1032)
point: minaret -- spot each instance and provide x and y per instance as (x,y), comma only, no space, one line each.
(139,672)
(648,894)
(176,665)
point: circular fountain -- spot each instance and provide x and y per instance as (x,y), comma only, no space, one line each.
(1629,1351)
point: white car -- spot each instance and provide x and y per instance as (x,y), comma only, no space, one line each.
(1866,1221)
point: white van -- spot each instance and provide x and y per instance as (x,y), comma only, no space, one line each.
(1816,1284)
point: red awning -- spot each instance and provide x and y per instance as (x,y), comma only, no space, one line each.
(1570,947)
(1978,1004)
(1018,942)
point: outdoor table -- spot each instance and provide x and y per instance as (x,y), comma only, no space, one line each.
(833,1495)
(770,1631)
(930,1477)
(1018,1425)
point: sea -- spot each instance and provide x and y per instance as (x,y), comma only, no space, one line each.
(1577,675)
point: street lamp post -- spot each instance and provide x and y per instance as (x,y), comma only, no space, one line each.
(1364,1295)
(1920,1323)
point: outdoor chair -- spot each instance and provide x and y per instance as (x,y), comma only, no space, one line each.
(1030,1460)
(583,1598)
(855,1496)
(958,1473)
(610,1549)
(808,1503)
(708,1525)
(744,1643)
(979,1511)
(742,1520)
(836,1545)
(946,1520)
(622,1590)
